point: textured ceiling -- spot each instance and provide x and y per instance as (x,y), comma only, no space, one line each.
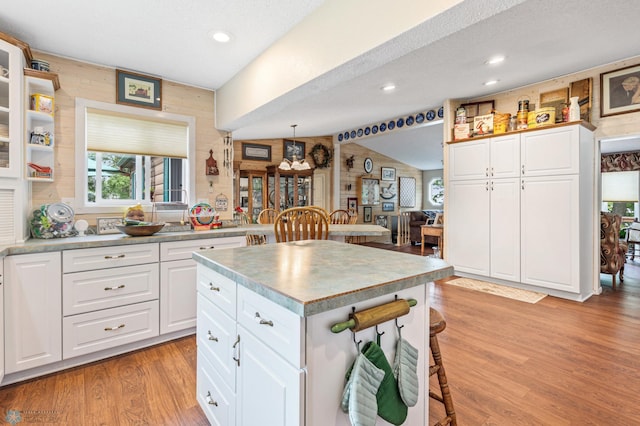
(442,58)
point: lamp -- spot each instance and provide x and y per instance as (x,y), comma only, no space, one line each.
(295,164)
(620,186)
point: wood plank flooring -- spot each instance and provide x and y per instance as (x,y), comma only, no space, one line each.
(508,363)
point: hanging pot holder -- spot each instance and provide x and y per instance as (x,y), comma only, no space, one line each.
(359,395)
(405,367)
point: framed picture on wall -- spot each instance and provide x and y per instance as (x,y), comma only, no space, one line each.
(367,215)
(251,151)
(620,91)
(387,173)
(407,192)
(291,148)
(138,90)
(352,203)
(388,207)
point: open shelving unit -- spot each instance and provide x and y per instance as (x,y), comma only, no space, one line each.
(39,156)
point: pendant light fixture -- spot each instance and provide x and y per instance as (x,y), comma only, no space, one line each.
(296,164)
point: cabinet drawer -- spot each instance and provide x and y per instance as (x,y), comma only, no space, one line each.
(93,290)
(216,334)
(217,402)
(275,326)
(178,250)
(95,331)
(219,289)
(109,257)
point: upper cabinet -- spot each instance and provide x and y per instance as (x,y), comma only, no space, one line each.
(39,132)
(11,65)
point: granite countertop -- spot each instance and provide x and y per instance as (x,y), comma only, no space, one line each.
(34,245)
(313,276)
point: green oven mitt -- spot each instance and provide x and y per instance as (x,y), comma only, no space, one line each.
(390,404)
(405,367)
(359,395)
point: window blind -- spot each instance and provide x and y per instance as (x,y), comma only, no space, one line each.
(109,131)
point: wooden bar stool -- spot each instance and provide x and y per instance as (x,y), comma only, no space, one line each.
(436,325)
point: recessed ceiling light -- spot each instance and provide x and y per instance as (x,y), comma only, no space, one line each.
(220,36)
(490,82)
(388,87)
(495,60)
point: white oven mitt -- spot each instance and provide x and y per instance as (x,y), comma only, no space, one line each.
(405,367)
(359,395)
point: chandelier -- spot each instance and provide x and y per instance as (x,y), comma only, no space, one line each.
(295,164)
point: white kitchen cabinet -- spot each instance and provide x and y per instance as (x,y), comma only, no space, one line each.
(550,240)
(270,389)
(33,305)
(540,212)
(11,58)
(1,319)
(178,280)
(485,209)
(110,297)
(250,364)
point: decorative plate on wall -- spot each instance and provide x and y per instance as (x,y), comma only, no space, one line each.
(368,165)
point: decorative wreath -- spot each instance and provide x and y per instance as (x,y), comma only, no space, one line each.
(321,156)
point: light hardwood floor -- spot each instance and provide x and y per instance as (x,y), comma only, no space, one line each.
(509,363)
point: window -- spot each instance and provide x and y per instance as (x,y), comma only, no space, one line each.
(127,155)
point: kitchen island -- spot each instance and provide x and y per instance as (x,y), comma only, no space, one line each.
(266,354)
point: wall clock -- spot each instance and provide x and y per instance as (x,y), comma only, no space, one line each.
(368,165)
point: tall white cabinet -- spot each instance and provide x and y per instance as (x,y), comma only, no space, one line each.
(15,193)
(520,209)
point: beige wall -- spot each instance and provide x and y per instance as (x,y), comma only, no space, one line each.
(79,79)
(618,125)
(350,177)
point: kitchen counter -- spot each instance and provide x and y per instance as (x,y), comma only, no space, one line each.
(314,276)
(34,245)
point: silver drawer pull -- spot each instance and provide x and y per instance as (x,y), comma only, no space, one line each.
(120,256)
(114,288)
(213,288)
(236,350)
(211,336)
(263,321)
(114,328)
(207,248)
(210,400)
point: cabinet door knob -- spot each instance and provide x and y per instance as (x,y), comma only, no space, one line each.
(211,336)
(207,248)
(213,288)
(523,169)
(263,321)
(210,400)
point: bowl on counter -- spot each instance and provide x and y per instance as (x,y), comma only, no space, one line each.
(140,230)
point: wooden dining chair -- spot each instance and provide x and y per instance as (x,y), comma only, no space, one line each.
(268,215)
(353,216)
(339,217)
(301,223)
(321,210)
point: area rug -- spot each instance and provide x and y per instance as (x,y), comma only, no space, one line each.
(498,290)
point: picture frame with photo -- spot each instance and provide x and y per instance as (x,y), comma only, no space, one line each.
(382,220)
(138,90)
(388,207)
(252,151)
(620,91)
(352,203)
(291,148)
(107,225)
(367,216)
(387,173)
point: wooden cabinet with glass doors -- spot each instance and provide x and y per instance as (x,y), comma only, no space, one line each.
(289,188)
(251,193)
